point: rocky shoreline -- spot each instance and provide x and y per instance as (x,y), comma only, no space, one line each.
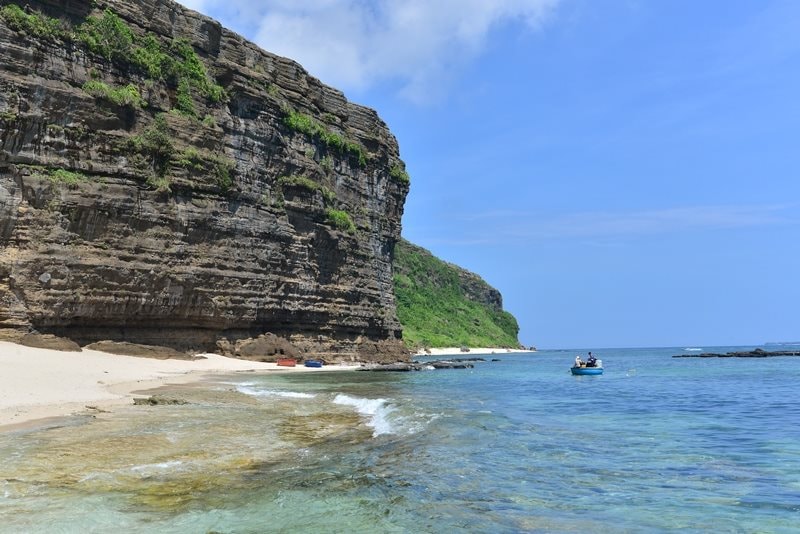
(454,363)
(757,353)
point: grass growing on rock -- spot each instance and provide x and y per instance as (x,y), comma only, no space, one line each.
(109,36)
(308,184)
(58,176)
(398,173)
(155,145)
(34,23)
(302,123)
(340,220)
(127,95)
(63,176)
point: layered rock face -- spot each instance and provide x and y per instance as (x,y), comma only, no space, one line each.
(163,181)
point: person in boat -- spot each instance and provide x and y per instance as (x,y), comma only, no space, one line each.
(578,361)
(591,361)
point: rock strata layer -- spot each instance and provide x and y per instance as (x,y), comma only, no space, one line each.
(164,181)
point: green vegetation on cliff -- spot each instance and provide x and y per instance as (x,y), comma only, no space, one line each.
(305,124)
(442,305)
(121,96)
(107,35)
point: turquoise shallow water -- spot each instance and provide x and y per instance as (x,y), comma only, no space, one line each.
(656,444)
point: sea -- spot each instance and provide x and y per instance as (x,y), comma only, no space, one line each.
(515,444)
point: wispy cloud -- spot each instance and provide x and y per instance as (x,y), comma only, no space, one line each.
(354,44)
(608,225)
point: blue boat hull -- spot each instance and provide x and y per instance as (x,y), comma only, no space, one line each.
(586,370)
(313,363)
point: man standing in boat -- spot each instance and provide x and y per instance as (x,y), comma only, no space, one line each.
(591,361)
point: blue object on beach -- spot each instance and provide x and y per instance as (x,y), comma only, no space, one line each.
(313,363)
(586,370)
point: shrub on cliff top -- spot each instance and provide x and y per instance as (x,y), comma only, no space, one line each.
(34,23)
(107,35)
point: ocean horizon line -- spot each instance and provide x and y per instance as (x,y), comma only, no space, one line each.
(680,346)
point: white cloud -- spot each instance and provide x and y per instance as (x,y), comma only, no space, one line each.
(356,44)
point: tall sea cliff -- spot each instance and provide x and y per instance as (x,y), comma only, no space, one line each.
(164,181)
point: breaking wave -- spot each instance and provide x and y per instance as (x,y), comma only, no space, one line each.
(247,389)
(376,411)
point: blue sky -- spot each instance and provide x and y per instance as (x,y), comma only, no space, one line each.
(625,172)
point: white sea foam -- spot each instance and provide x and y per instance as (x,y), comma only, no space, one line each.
(255,392)
(376,411)
(157,467)
(693,349)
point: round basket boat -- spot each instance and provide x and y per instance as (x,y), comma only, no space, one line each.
(586,370)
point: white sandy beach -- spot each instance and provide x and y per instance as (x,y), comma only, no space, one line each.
(39,383)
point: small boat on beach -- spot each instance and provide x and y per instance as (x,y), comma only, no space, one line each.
(286,362)
(313,363)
